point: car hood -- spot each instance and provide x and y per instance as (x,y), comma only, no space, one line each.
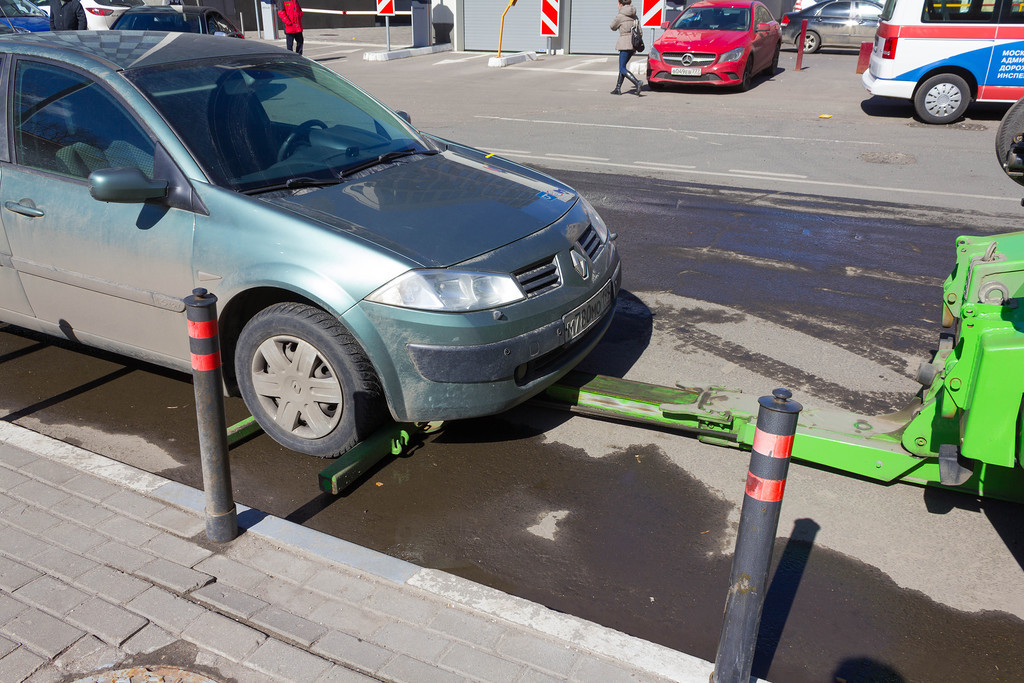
(710,41)
(438,210)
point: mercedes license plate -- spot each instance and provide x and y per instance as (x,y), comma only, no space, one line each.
(582,318)
(686,71)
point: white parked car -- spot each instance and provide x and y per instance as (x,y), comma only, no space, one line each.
(99,14)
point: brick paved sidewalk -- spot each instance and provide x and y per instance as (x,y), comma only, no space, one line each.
(105,567)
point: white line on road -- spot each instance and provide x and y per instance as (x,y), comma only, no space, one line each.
(803,182)
(768,173)
(658,164)
(587,62)
(455,60)
(680,130)
(576,156)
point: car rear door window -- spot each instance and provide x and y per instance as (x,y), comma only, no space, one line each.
(837,10)
(67,123)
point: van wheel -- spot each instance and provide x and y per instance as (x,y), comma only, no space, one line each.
(942,99)
(307,381)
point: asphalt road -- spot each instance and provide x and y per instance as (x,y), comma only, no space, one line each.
(827,284)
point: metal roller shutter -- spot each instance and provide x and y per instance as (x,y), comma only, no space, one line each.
(588,26)
(522,26)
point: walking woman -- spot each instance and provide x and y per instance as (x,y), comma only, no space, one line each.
(623,23)
(291,15)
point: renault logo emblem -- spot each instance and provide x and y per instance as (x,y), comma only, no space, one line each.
(579,262)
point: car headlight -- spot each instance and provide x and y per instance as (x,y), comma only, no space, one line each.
(595,219)
(654,54)
(448,290)
(732,55)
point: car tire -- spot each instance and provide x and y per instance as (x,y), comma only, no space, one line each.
(748,74)
(812,42)
(942,98)
(307,381)
(1010,128)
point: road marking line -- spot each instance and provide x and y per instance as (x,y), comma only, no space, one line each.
(463,59)
(586,62)
(680,130)
(575,72)
(768,173)
(658,164)
(576,156)
(802,181)
(926,280)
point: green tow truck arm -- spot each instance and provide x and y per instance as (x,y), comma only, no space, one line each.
(962,431)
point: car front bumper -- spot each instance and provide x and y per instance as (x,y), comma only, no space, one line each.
(446,366)
(718,74)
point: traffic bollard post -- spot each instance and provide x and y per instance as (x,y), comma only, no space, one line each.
(800,45)
(207,378)
(759,522)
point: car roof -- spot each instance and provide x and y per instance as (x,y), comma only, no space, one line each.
(131,49)
(724,3)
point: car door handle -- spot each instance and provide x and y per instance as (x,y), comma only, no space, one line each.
(26,207)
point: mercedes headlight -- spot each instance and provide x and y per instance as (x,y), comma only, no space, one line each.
(448,290)
(732,55)
(654,54)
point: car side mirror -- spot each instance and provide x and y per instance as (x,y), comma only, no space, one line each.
(764,27)
(664,25)
(125,186)
(404,115)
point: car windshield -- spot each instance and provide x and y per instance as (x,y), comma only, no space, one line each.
(20,8)
(153,21)
(258,124)
(714,19)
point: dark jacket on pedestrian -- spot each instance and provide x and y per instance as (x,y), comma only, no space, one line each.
(291,15)
(67,16)
(623,23)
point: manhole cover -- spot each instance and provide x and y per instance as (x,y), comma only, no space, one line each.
(147,674)
(897,158)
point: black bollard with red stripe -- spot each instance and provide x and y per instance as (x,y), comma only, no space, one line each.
(207,378)
(759,521)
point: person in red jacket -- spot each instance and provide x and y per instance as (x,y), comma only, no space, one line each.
(291,15)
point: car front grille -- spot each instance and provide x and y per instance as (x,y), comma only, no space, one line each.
(538,278)
(590,242)
(698,58)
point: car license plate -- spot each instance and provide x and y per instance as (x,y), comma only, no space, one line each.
(582,318)
(686,71)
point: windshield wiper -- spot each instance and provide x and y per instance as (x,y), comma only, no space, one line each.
(385,158)
(294,184)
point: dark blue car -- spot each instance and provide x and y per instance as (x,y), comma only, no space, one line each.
(23,14)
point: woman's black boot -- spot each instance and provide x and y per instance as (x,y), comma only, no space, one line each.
(618,86)
(636,84)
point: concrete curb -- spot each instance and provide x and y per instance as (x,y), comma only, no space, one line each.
(512,59)
(386,56)
(641,654)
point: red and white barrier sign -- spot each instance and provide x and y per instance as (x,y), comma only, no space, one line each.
(386,8)
(652,12)
(549,18)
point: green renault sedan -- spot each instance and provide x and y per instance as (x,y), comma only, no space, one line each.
(364,270)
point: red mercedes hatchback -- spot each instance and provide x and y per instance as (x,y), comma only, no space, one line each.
(716,42)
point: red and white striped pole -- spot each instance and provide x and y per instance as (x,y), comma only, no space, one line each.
(759,522)
(208,381)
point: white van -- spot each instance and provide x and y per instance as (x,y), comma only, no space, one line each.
(944,54)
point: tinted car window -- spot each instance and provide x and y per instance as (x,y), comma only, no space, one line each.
(20,8)
(836,10)
(237,117)
(981,11)
(165,21)
(868,11)
(68,124)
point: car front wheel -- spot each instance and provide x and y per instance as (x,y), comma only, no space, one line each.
(306,380)
(942,99)
(748,73)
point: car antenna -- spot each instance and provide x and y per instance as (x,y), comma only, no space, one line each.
(7,18)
